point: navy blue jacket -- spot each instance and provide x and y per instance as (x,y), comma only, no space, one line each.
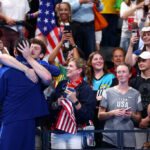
(22,99)
(85,96)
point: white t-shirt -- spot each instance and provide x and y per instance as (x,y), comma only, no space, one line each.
(15,9)
(137,14)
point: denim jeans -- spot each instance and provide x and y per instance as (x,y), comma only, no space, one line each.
(124,43)
(66,141)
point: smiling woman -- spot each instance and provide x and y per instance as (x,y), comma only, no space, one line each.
(131,56)
(99,79)
(76,69)
(80,101)
(64,12)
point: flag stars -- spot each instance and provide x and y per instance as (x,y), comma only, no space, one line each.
(45,29)
(48,4)
(41,3)
(53,14)
(46,12)
(39,19)
(52,21)
(46,20)
(40,11)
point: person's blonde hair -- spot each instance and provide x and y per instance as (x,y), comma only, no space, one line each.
(80,63)
(69,6)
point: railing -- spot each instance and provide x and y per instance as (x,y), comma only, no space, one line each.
(118,132)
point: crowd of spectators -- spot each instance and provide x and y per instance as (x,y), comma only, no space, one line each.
(84,91)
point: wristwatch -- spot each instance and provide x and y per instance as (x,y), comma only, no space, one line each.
(74,46)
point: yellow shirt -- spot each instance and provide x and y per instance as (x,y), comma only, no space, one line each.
(108,7)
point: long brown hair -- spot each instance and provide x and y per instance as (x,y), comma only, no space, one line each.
(90,70)
(128,2)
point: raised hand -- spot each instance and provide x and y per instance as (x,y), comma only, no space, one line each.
(133,40)
(25,49)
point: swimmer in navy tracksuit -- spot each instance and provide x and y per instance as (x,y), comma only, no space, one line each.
(23,101)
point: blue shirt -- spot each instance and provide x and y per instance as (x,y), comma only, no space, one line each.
(82,12)
(54,70)
(137,52)
(104,82)
(22,99)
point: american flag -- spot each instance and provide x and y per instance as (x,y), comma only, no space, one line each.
(46,25)
(66,119)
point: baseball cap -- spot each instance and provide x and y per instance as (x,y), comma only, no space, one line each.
(145,55)
(145,29)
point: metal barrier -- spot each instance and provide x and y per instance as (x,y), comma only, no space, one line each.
(118,132)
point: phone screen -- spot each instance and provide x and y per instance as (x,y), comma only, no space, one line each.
(146,8)
(128,109)
(67,28)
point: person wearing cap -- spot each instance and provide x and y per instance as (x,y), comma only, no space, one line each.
(131,56)
(142,84)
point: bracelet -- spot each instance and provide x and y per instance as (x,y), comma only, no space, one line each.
(31,16)
(76,103)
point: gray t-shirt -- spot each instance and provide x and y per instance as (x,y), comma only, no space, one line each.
(112,99)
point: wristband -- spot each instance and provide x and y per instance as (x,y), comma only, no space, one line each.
(31,16)
(76,103)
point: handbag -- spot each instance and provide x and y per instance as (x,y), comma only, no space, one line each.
(100,22)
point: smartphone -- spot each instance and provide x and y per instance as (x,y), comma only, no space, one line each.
(134,32)
(128,109)
(146,8)
(70,89)
(67,28)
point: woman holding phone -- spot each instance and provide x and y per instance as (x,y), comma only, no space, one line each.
(120,107)
(131,12)
(76,96)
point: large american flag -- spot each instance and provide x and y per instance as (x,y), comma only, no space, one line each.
(46,25)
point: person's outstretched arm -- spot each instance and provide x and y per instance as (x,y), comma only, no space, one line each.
(10,61)
(130,58)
